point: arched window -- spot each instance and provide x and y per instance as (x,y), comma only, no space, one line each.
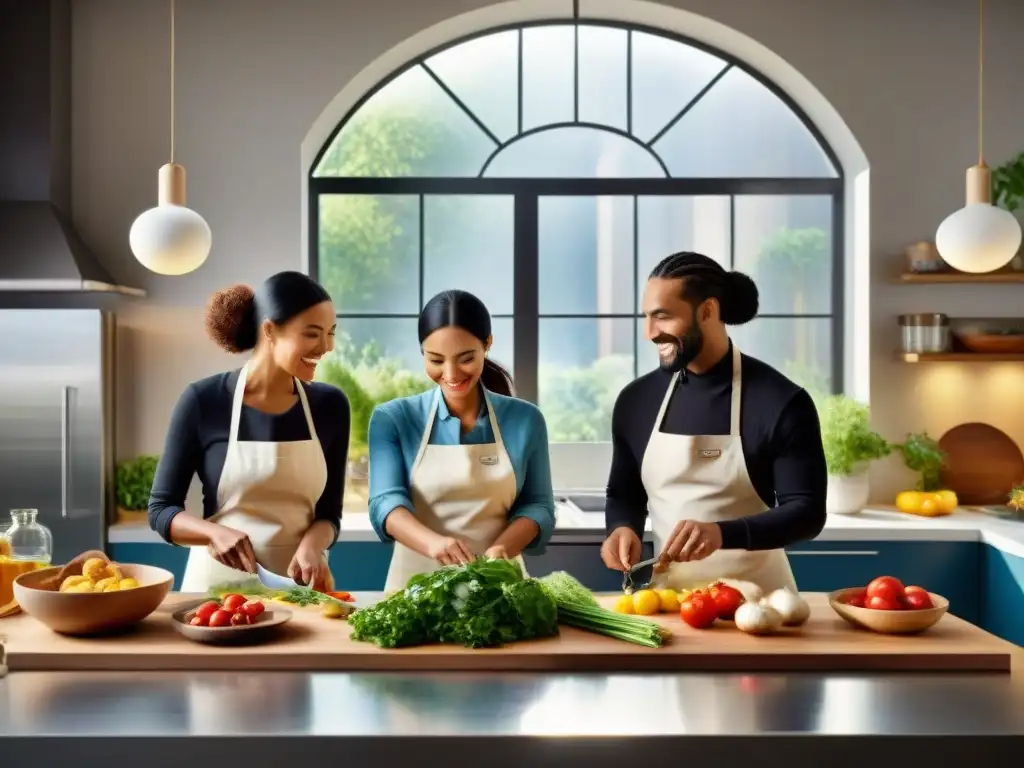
(547,168)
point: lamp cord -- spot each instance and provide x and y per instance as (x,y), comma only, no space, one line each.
(981,81)
(172,81)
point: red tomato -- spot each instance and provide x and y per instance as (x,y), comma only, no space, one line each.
(195,621)
(727,599)
(918,601)
(857,601)
(220,619)
(886,587)
(232,602)
(911,589)
(253,608)
(878,603)
(699,611)
(239,619)
(207,609)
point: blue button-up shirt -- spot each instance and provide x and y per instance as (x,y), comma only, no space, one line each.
(396,431)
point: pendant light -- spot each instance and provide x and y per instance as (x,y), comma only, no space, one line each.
(980,237)
(171,239)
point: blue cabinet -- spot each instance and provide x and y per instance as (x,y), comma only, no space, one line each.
(949,568)
(1002,605)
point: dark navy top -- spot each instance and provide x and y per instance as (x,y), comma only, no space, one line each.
(197,442)
(779,432)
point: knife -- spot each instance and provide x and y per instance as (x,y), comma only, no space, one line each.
(273,581)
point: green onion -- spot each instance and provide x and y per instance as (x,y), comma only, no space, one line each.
(604,622)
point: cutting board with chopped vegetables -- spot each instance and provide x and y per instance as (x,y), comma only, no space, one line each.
(311,641)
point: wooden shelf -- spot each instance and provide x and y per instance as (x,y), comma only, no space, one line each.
(1005,277)
(957,357)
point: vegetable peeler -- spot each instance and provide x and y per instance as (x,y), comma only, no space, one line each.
(627,577)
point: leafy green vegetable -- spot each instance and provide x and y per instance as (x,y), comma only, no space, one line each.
(483,604)
(251,587)
(578,608)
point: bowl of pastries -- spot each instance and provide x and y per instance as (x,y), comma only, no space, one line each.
(92,595)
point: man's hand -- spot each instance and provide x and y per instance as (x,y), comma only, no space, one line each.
(621,550)
(691,540)
(497,552)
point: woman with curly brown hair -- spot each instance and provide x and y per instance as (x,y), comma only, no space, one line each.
(269,444)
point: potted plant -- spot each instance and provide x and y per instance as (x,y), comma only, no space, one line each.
(1008,193)
(134,483)
(850,446)
(922,454)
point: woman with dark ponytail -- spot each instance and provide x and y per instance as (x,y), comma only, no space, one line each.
(463,469)
(268,444)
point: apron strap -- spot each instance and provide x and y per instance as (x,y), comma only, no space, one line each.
(236,404)
(665,401)
(499,443)
(305,409)
(425,440)
(734,405)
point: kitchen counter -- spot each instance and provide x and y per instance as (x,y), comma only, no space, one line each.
(576,526)
(291,718)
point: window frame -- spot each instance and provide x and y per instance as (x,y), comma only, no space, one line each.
(527,192)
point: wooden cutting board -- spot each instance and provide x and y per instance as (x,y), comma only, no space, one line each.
(312,642)
(983,464)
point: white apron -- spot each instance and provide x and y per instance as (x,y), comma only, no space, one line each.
(267,490)
(464,491)
(704,478)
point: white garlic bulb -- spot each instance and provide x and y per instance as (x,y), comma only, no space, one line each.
(757,618)
(793,608)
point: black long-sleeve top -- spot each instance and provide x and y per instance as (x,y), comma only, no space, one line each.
(781,439)
(197,442)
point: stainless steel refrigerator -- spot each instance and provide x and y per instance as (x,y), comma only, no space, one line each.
(57,422)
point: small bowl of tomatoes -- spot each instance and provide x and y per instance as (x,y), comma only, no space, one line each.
(233,619)
(888,607)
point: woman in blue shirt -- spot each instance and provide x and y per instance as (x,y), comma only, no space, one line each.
(463,469)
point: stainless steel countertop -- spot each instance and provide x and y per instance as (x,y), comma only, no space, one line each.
(95,718)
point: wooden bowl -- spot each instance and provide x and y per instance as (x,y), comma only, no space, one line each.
(888,622)
(71,613)
(264,629)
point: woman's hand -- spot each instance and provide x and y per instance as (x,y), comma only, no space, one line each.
(232,548)
(449,551)
(309,567)
(498,552)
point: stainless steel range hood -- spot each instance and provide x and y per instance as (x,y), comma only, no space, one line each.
(40,252)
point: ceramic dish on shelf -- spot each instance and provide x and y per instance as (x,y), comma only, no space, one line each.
(906,622)
(266,626)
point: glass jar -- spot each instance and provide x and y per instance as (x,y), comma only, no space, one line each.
(28,538)
(5,545)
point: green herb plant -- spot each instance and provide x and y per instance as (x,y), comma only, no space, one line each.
(1008,184)
(846,434)
(922,454)
(134,481)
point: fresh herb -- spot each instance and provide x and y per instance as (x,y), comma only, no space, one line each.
(847,437)
(134,481)
(922,454)
(578,608)
(1016,498)
(303,596)
(482,604)
(1008,184)
(249,587)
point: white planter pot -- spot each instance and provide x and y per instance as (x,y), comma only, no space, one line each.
(847,495)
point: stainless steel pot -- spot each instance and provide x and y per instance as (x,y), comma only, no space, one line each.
(925,333)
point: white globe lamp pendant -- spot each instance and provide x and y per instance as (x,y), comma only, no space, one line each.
(980,237)
(171,239)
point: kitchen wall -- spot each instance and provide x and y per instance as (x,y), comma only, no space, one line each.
(254,75)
